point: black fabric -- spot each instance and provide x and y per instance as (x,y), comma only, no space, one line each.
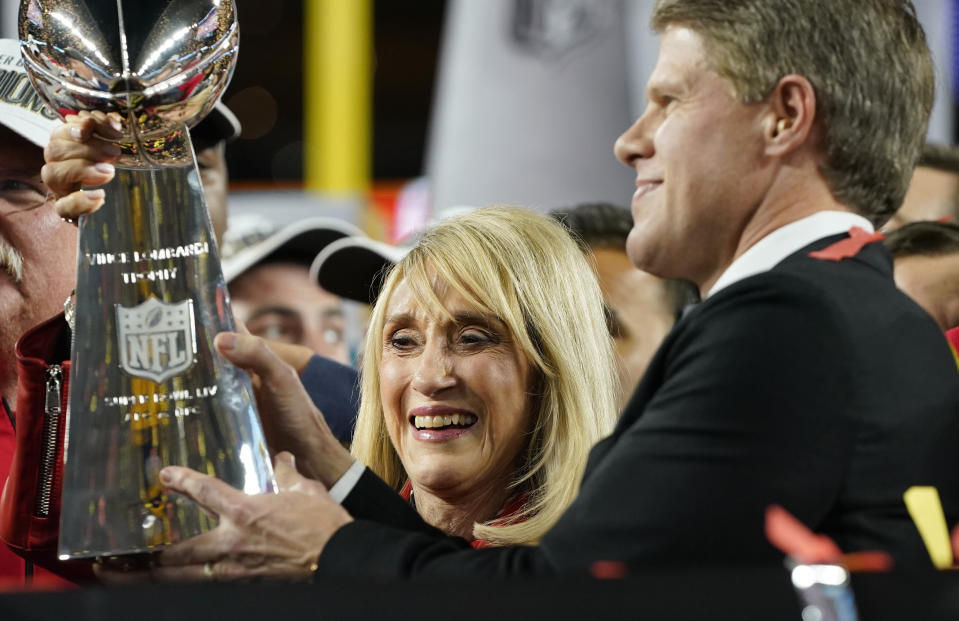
(8,411)
(817,386)
(334,389)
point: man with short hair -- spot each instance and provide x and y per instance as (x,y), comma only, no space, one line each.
(268,275)
(934,190)
(926,264)
(777,135)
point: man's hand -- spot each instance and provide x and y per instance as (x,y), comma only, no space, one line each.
(81,153)
(277,536)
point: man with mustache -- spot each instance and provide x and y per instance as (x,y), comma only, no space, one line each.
(37,252)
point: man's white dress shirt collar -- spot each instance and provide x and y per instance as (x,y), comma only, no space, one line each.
(770,250)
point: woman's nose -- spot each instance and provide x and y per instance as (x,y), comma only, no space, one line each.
(435,372)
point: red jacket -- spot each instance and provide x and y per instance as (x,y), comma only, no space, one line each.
(35,351)
(15,573)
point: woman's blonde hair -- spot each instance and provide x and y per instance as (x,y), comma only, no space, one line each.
(525,269)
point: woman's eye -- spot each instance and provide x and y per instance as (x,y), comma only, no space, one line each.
(475,337)
(400,340)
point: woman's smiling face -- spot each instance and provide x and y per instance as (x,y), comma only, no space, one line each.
(456,396)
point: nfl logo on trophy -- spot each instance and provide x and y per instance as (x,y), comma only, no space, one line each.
(157,340)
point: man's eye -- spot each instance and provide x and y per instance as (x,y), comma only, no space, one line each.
(332,336)
(274,333)
(18,186)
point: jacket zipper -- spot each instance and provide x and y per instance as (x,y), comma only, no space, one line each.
(51,424)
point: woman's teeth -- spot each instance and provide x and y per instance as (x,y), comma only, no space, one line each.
(433,422)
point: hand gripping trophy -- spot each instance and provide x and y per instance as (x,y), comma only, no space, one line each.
(147,388)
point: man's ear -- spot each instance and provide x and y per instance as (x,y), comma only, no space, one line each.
(790,119)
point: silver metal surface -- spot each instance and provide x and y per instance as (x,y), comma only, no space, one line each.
(824,591)
(159,64)
(147,388)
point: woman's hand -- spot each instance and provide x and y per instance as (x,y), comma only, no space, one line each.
(80,153)
(277,536)
(290,420)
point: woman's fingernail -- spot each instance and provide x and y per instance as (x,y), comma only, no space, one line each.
(227,341)
(76,133)
(165,477)
(115,124)
(105,168)
(95,195)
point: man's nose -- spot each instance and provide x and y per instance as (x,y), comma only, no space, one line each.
(635,143)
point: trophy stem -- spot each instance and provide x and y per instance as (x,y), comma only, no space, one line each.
(147,388)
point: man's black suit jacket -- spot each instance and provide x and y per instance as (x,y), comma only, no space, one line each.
(817,386)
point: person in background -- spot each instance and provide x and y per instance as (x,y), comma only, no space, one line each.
(641,308)
(272,293)
(926,263)
(934,190)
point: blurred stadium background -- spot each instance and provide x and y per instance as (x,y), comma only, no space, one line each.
(383,112)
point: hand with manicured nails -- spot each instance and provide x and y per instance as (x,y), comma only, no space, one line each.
(290,420)
(81,153)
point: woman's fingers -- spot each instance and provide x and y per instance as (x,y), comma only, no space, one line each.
(297,356)
(253,354)
(289,479)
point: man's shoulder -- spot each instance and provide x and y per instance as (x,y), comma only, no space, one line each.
(836,289)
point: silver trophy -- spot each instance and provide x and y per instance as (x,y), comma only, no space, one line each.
(147,388)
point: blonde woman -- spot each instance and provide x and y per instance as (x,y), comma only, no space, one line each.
(488,375)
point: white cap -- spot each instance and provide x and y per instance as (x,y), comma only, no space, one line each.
(298,242)
(21,108)
(354,267)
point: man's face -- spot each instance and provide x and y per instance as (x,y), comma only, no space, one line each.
(280,302)
(211,163)
(933,282)
(933,194)
(640,315)
(698,153)
(30,231)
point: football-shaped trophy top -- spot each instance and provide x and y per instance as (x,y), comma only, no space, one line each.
(160,65)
